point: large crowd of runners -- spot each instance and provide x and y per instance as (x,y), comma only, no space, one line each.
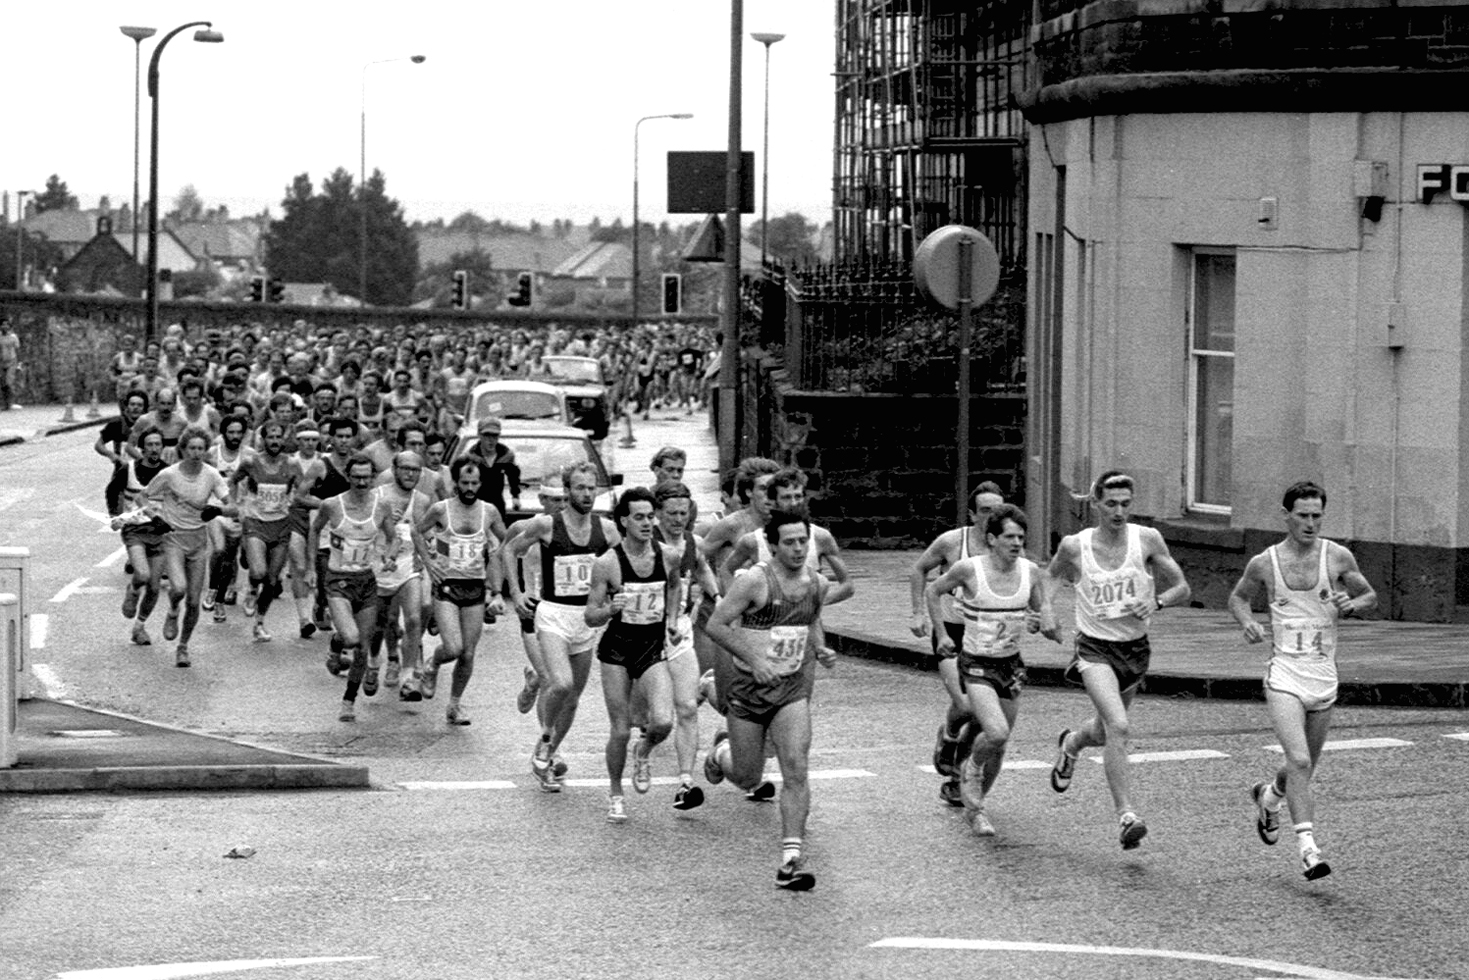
(250,462)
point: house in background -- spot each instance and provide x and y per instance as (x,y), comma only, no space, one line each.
(105,263)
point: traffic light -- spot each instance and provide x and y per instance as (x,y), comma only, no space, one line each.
(461,290)
(672,292)
(523,287)
(257,289)
(277,291)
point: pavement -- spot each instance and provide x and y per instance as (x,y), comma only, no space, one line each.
(31,422)
(1197,653)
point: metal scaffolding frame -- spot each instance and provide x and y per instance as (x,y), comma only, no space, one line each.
(927,132)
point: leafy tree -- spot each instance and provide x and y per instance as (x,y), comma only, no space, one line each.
(791,238)
(469,221)
(435,280)
(36,252)
(319,238)
(55,197)
(188,207)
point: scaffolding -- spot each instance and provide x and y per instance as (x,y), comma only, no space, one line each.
(927,132)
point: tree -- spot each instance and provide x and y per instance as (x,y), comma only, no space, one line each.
(55,197)
(319,239)
(38,253)
(188,207)
(469,221)
(435,280)
(791,238)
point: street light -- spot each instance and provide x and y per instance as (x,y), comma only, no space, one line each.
(417,59)
(636,277)
(138,34)
(207,36)
(20,215)
(767,40)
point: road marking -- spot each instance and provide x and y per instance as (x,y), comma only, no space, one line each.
(40,623)
(1016,764)
(1182,755)
(50,681)
(169,971)
(468,784)
(87,733)
(1274,966)
(68,590)
(112,559)
(1461,736)
(9,498)
(1355,743)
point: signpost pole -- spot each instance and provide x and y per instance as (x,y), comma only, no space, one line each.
(966,305)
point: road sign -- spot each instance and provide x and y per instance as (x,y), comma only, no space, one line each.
(936,266)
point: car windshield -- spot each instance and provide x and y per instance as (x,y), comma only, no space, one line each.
(573,369)
(518,405)
(541,458)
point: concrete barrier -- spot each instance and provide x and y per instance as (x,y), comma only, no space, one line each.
(14,579)
(10,644)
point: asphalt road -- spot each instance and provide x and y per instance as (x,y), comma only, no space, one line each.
(457,867)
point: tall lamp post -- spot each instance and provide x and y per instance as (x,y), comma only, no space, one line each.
(20,215)
(767,40)
(636,259)
(138,34)
(731,411)
(208,36)
(417,59)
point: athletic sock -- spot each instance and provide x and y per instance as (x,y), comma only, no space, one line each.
(453,704)
(1305,839)
(790,850)
(685,779)
(721,755)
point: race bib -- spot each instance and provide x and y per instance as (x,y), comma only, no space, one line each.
(353,551)
(787,648)
(1303,639)
(994,634)
(645,603)
(270,498)
(1109,593)
(573,575)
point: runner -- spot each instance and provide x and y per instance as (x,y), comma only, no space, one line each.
(786,490)
(1123,574)
(165,419)
(552,498)
(142,533)
(189,494)
(668,464)
(955,740)
(775,646)
(400,588)
(303,502)
(225,532)
(271,478)
(1308,582)
(751,477)
(112,442)
(570,543)
(1001,595)
(355,521)
(461,560)
(635,585)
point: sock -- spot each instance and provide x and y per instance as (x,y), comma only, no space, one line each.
(453,704)
(1305,838)
(685,779)
(790,850)
(721,755)
(1271,799)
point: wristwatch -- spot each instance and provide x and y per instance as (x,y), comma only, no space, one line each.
(1159,601)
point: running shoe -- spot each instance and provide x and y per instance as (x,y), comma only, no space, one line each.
(334,662)
(763,793)
(713,772)
(706,687)
(540,757)
(1267,821)
(793,877)
(308,630)
(428,680)
(558,765)
(130,602)
(219,613)
(616,810)
(171,624)
(457,715)
(688,797)
(949,792)
(1313,865)
(408,690)
(250,599)
(526,699)
(369,680)
(320,619)
(1131,831)
(181,656)
(260,633)
(140,636)
(981,825)
(206,601)
(394,673)
(947,752)
(348,712)
(642,769)
(971,785)
(231,596)
(1064,766)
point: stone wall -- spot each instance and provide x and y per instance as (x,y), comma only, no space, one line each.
(881,466)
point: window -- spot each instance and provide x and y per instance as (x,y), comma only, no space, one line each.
(1210,380)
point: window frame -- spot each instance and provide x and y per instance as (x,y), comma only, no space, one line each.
(1196,358)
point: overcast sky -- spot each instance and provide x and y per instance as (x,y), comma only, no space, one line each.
(523,110)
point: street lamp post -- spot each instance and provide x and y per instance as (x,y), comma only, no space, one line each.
(767,40)
(731,409)
(20,214)
(417,59)
(636,259)
(138,34)
(206,35)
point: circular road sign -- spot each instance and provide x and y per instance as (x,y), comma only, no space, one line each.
(936,266)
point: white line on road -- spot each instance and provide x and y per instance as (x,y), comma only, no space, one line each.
(170,971)
(773,777)
(50,681)
(112,559)
(1274,966)
(68,590)
(1461,736)
(1354,743)
(1182,755)
(467,784)
(40,623)
(9,498)
(1016,764)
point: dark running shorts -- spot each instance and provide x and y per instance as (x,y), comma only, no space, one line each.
(358,588)
(630,657)
(149,535)
(298,521)
(462,592)
(1127,658)
(760,704)
(1005,674)
(273,533)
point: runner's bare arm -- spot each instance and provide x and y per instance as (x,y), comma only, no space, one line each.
(747,591)
(604,598)
(741,556)
(1359,596)
(959,575)
(1040,604)
(1175,591)
(935,556)
(831,552)
(1249,585)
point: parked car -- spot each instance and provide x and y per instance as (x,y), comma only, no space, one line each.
(586,390)
(541,451)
